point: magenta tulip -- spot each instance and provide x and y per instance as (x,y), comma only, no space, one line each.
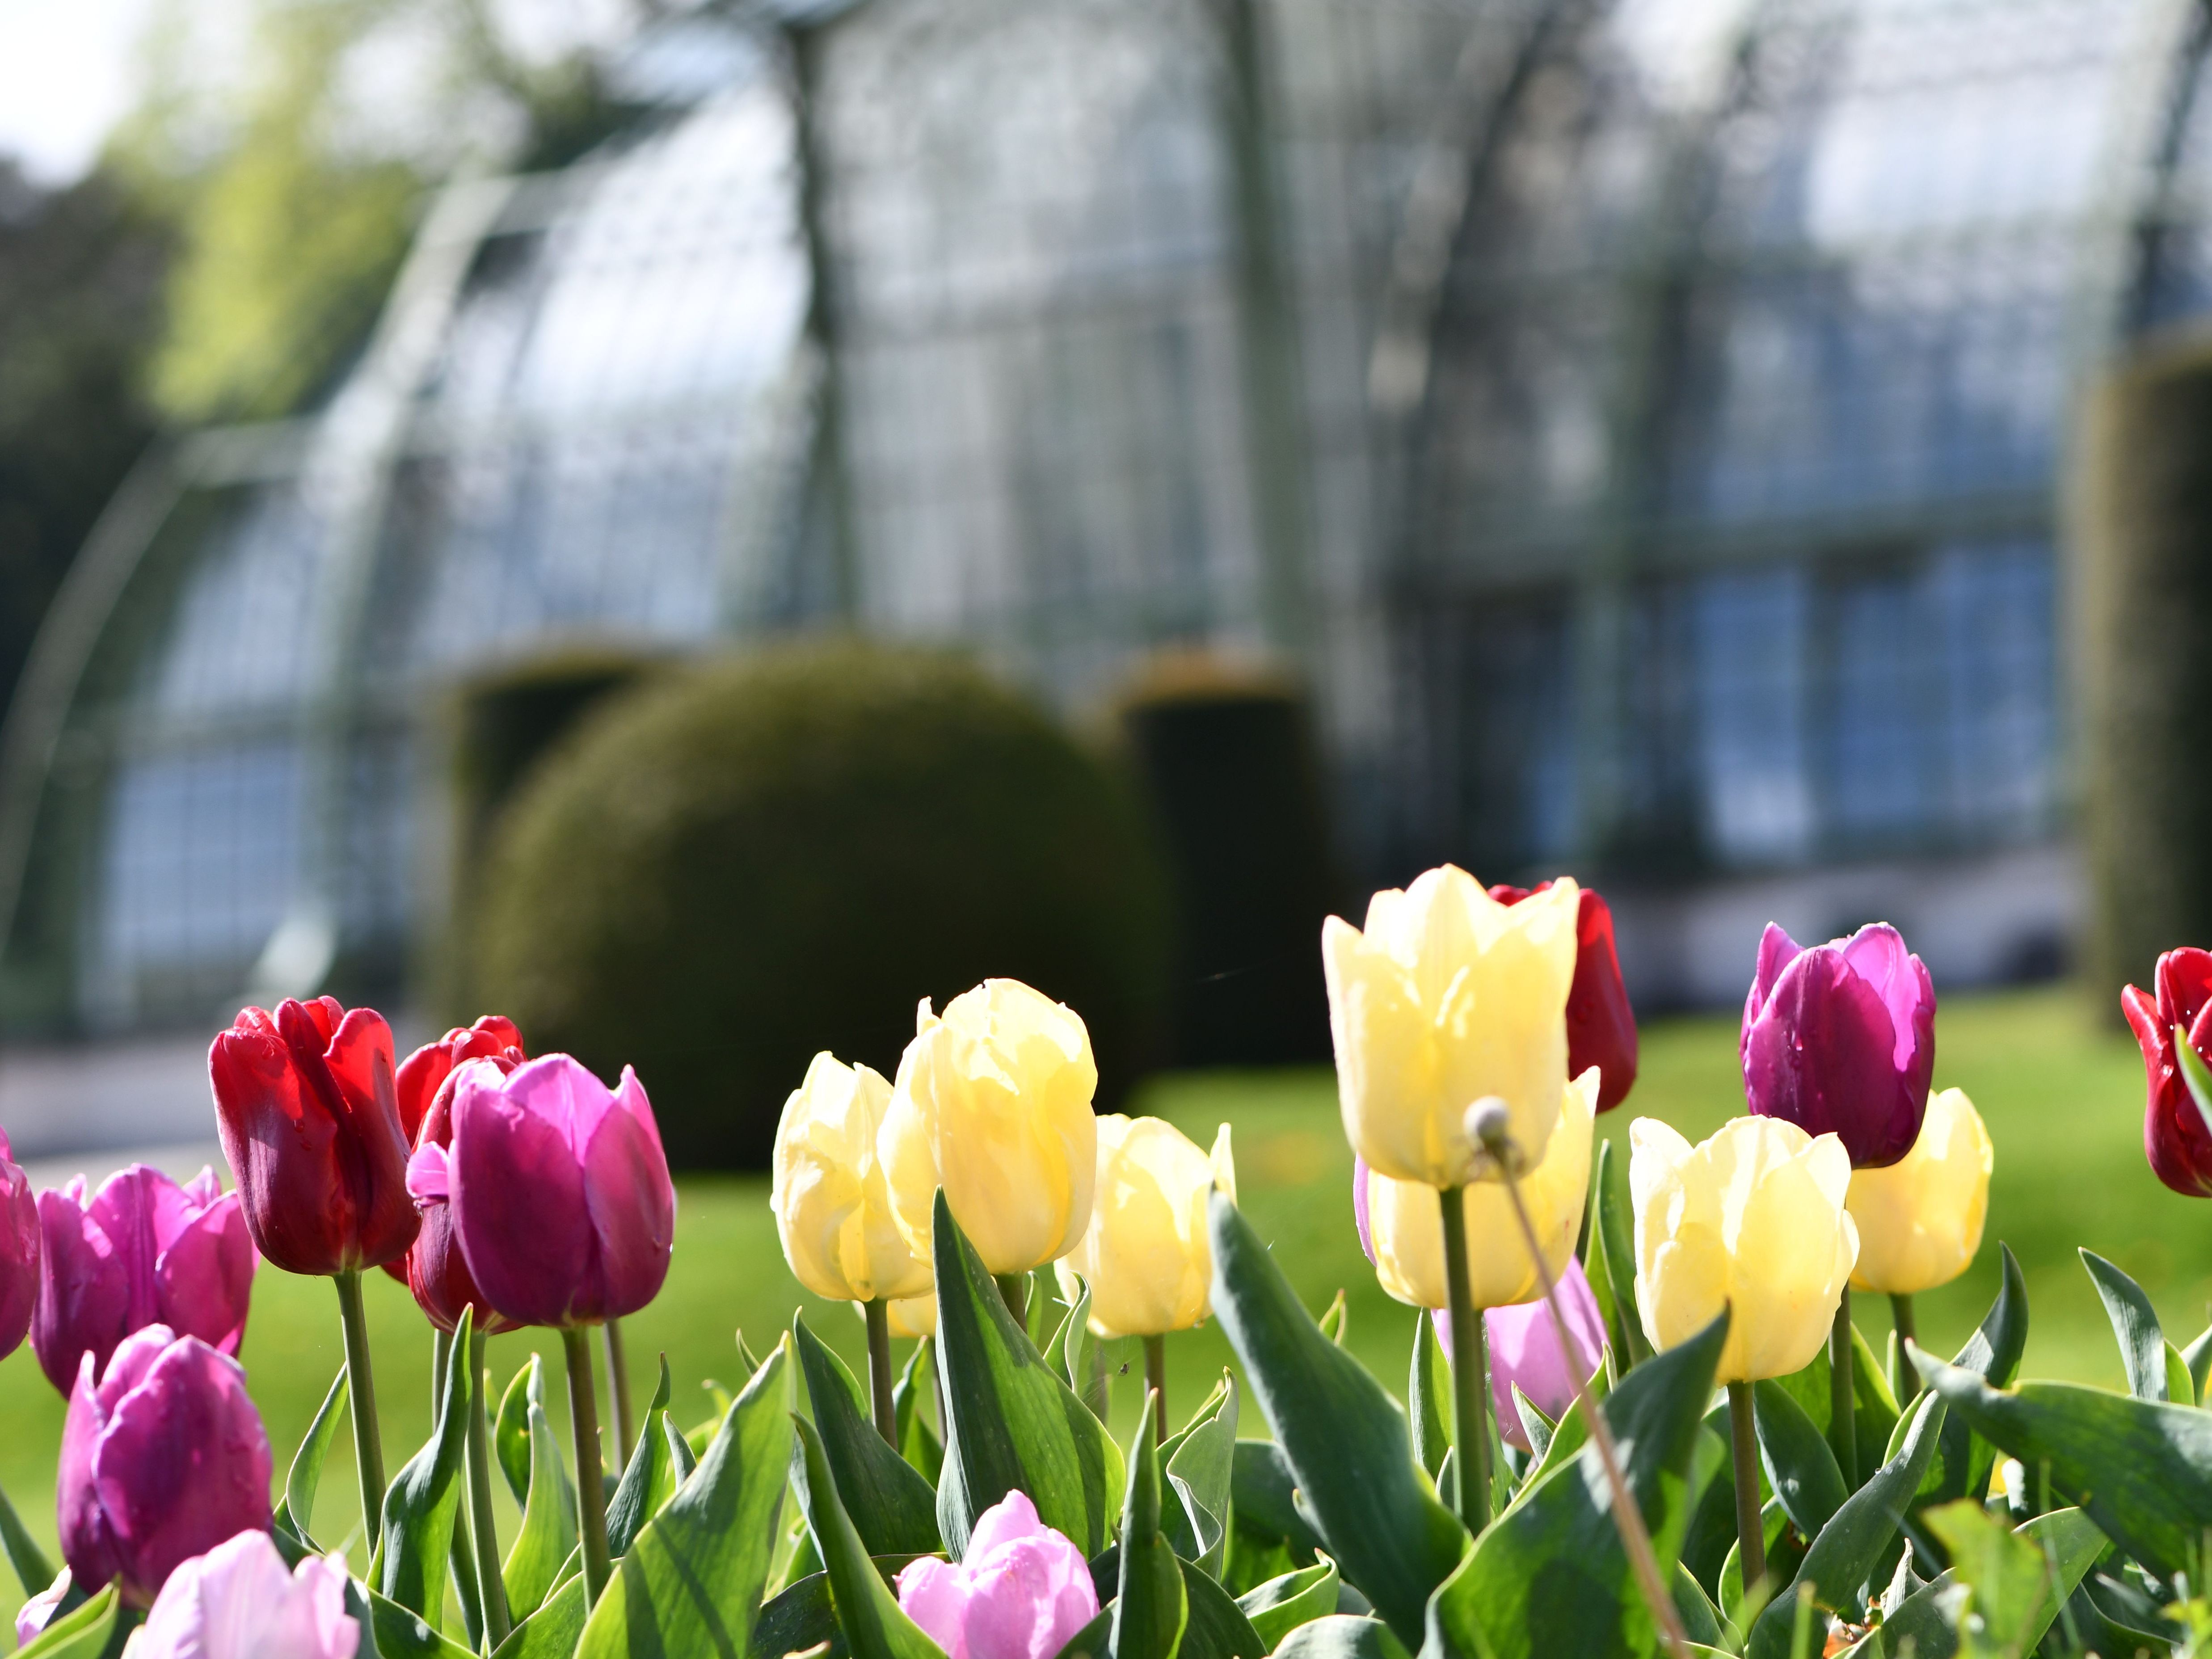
(161,1461)
(1841,1038)
(2176,1139)
(240,1601)
(1021,1592)
(1525,1353)
(22,1251)
(437,1274)
(141,1251)
(559,1193)
(306,1104)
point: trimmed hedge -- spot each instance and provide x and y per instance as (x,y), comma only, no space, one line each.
(737,865)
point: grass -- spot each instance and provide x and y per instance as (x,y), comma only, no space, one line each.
(2061,1093)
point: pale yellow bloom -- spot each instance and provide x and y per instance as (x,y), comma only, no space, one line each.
(913,1315)
(1148,1253)
(1752,1220)
(1920,1220)
(992,1102)
(1447,997)
(832,1207)
(1405,1227)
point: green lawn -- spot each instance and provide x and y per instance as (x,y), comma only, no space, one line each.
(2062,1094)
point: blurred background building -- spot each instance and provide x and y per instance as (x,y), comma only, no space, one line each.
(1637,425)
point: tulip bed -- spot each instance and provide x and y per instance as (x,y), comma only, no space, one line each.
(977,1505)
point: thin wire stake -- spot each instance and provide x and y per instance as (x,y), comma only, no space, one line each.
(1490,1124)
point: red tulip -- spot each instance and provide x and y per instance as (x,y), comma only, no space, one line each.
(21,1251)
(1601,1026)
(560,1191)
(306,1104)
(140,1251)
(2175,1138)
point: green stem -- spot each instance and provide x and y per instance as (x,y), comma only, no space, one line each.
(1750,1528)
(1014,1292)
(625,1424)
(1156,1380)
(879,1367)
(361,1392)
(1470,1386)
(590,1494)
(491,1588)
(1908,1375)
(1842,1405)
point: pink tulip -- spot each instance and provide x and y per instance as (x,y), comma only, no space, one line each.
(238,1601)
(1524,1350)
(38,1612)
(1022,1591)
(20,1251)
(162,1461)
(141,1251)
(559,1193)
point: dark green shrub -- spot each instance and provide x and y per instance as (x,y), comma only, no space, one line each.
(1227,758)
(2143,544)
(730,868)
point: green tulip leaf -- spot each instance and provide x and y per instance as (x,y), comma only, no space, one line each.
(1612,1238)
(651,1479)
(1282,1605)
(691,1584)
(1215,1627)
(510,1434)
(874,1624)
(1701,1619)
(2197,1356)
(1332,1317)
(553,1631)
(1551,1576)
(2141,1471)
(1343,1439)
(1090,1641)
(1569,1436)
(1535,1424)
(1841,1557)
(1066,1350)
(1342,1636)
(1151,1606)
(918,1443)
(1428,1397)
(402,1633)
(2018,1581)
(1199,1468)
(83,1633)
(2180,1384)
(1014,1422)
(805,1615)
(24,1554)
(547,1537)
(2135,1325)
(1263,1496)
(415,1546)
(892,1506)
(297,1506)
(1799,1467)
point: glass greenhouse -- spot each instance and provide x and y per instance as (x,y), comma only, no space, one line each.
(1641,423)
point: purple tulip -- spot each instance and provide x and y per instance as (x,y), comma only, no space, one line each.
(162,1461)
(20,1251)
(141,1251)
(1842,1038)
(240,1601)
(559,1193)
(1021,1592)
(1524,1350)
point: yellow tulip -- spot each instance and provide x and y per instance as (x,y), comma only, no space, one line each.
(832,1208)
(1148,1253)
(1447,997)
(992,1104)
(1405,1227)
(912,1315)
(1752,1218)
(1920,1220)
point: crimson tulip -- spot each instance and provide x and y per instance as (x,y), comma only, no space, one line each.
(2175,1137)
(1841,1038)
(162,1459)
(306,1104)
(423,1074)
(140,1251)
(21,1251)
(1601,1026)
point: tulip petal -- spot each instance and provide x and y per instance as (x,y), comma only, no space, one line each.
(934,1594)
(1822,1056)
(519,1208)
(204,1279)
(632,1203)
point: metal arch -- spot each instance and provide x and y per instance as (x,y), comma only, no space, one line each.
(359,448)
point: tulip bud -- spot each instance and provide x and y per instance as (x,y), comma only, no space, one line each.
(1841,1039)
(832,1206)
(1146,1253)
(1401,1225)
(141,1251)
(2175,1138)
(305,1103)
(424,1072)
(436,1272)
(22,1252)
(1600,1025)
(992,1104)
(1021,1592)
(1752,1219)
(1525,1353)
(1920,1220)
(561,1201)
(1448,996)
(240,1601)
(161,1461)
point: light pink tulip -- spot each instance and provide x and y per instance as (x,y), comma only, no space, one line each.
(38,1612)
(1022,1591)
(238,1601)
(1524,1349)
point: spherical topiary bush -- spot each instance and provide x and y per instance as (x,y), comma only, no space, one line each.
(720,873)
